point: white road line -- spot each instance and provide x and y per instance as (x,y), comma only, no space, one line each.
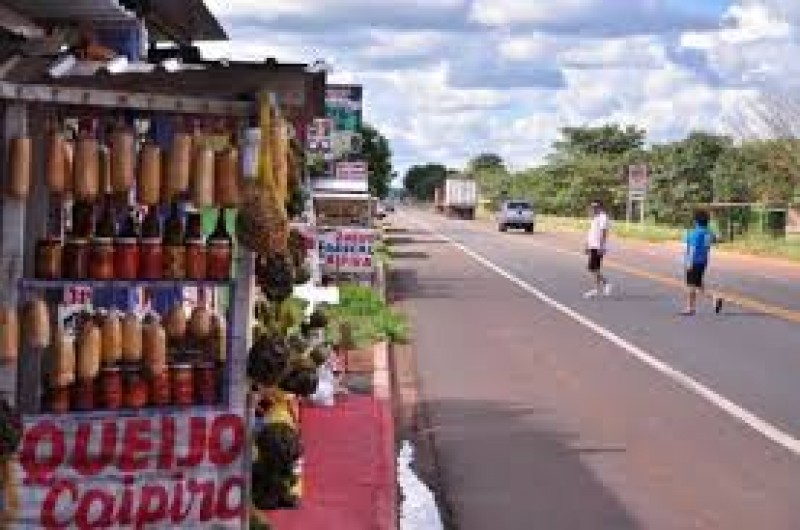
(741,414)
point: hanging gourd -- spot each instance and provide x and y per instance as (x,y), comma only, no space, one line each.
(179,166)
(9,334)
(112,339)
(219,339)
(37,324)
(149,184)
(86,169)
(19,182)
(199,327)
(131,339)
(62,369)
(154,346)
(57,160)
(89,345)
(175,323)
(104,165)
(226,184)
(122,153)
(203,182)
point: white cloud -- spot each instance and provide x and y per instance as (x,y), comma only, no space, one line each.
(446,79)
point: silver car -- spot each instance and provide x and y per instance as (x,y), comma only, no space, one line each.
(516,214)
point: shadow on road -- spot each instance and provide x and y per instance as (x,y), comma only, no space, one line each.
(409,254)
(500,467)
(418,240)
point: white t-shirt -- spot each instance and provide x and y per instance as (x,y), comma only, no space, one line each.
(594,239)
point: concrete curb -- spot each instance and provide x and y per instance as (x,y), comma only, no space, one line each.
(386,505)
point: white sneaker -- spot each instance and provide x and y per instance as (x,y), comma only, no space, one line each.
(590,294)
(608,289)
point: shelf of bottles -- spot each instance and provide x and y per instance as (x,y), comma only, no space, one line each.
(128,234)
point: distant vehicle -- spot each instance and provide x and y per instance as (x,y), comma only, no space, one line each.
(380,210)
(438,199)
(388,206)
(460,198)
(516,214)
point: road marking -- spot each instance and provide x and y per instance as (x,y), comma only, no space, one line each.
(740,300)
(739,413)
(737,299)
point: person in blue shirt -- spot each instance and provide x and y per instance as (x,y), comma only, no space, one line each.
(698,251)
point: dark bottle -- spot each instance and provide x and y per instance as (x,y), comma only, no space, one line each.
(220,251)
(76,251)
(151,263)
(101,263)
(195,247)
(126,250)
(174,249)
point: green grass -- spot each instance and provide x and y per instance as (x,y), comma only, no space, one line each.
(756,245)
(788,248)
(383,253)
(370,318)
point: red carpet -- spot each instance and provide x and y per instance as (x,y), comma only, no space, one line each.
(349,470)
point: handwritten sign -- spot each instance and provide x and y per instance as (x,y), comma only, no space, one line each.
(347,250)
(171,470)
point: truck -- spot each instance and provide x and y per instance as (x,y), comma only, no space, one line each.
(438,199)
(460,198)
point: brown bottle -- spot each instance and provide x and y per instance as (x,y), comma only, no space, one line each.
(75,264)
(174,249)
(151,260)
(195,247)
(101,262)
(220,251)
(126,251)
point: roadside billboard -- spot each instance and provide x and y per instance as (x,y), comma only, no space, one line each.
(343,105)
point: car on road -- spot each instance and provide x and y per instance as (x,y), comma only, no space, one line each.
(516,214)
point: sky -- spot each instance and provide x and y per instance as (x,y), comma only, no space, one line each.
(446,80)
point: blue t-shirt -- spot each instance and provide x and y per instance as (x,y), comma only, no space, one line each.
(698,245)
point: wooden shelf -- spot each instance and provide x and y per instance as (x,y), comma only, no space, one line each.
(35,284)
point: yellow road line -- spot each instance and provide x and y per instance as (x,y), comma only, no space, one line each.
(743,301)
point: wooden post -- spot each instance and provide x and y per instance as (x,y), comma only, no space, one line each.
(240,342)
(12,242)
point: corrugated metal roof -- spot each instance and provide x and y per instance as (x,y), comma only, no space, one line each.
(72,10)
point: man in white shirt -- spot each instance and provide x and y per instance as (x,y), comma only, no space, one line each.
(596,246)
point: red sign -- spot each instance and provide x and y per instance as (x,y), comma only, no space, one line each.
(160,471)
(78,295)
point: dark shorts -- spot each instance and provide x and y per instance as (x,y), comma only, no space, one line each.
(595,259)
(694,275)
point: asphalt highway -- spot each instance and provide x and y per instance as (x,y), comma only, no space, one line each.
(548,411)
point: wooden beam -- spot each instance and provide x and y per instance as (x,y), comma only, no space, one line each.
(122,100)
(19,24)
